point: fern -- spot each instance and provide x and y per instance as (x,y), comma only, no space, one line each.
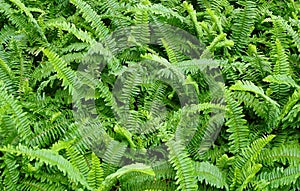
(185,173)
(244,167)
(63,72)
(109,180)
(78,161)
(289,112)
(95,176)
(17,115)
(282,79)
(280,177)
(284,154)
(281,66)
(93,91)
(291,32)
(82,35)
(237,125)
(27,11)
(11,172)
(242,27)
(37,186)
(50,158)
(249,86)
(112,157)
(211,174)
(92,17)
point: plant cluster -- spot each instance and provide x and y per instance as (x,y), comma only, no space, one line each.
(244,129)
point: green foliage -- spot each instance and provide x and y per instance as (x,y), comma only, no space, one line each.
(185,173)
(210,174)
(91,89)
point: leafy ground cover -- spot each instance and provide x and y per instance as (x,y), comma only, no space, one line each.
(149,95)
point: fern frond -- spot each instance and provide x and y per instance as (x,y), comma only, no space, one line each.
(168,71)
(47,132)
(282,154)
(27,12)
(11,172)
(63,72)
(291,32)
(6,73)
(290,112)
(79,46)
(247,175)
(192,13)
(215,19)
(157,9)
(6,33)
(71,28)
(164,170)
(116,11)
(210,174)
(242,26)
(278,30)
(154,101)
(249,86)
(251,153)
(77,160)
(280,177)
(73,57)
(204,137)
(138,181)
(185,172)
(238,128)
(8,132)
(149,185)
(50,158)
(17,115)
(171,54)
(195,66)
(281,66)
(95,175)
(244,167)
(263,109)
(112,157)
(92,17)
(41,72)
(33,185)
(85,134)
(109,180)
(18,20)
(282,79)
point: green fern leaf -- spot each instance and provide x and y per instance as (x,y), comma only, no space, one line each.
(211,174)
(95,175)
(185,172)
(238,128)
(63,72)
(280,177)
(282,79)
(17,115)
(92,17)
(243,25)
(110,180)
(249,86)
(283,154)
(71,28)
(50,158)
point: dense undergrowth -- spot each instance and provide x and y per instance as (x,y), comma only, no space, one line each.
(238,133)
